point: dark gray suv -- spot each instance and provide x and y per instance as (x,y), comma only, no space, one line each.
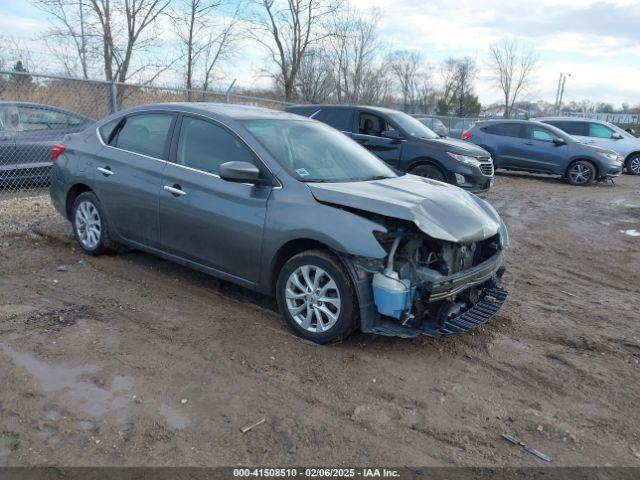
(407,144)
(289,207)
(536,147)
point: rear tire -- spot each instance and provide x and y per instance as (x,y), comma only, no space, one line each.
(316,297)
(633,164)
(428,170)
(90,224)
(581,173)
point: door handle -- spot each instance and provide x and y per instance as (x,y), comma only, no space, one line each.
(362,141)
(106,171)
(528,143)
(175,190)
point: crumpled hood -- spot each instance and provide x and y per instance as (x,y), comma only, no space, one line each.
(441,211)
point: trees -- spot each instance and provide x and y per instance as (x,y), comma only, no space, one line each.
(512,67)
(353,46)
(109,32)
(458,78)
(205,35)
(286,29)
(406,67)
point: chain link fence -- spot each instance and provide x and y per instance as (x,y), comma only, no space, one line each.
(36,111)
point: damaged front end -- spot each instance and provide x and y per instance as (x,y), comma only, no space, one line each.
(427,286)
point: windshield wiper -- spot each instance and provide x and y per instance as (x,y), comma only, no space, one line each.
(374,177)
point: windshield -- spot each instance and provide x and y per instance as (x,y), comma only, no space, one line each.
(411,126)
(314,152)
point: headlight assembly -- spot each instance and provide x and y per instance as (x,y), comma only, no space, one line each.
(466,159)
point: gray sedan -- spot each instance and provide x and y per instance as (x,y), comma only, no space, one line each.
(290,207)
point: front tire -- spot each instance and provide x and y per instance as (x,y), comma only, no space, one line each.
(429,171)
(316,297)
(581,173)
(90,224)
(633,164)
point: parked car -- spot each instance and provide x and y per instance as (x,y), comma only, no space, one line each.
(408,145)
(460,126)
(541,148)
(27,133)
(602,134)
(434,124)
(289,207)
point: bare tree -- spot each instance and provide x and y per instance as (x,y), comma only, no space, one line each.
(512,67)
(465,75)
(315,81)
(353,47)
(286,28)
(205,35)
(406,67)
(448,73)
(67,38)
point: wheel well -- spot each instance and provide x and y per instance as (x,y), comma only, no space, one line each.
(632,154)
(427,161)
(290,249)
(72,194)
(566,173)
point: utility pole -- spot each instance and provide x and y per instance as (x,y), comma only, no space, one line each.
(555,104)
(564,80)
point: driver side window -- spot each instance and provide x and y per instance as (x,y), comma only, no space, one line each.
(599,131)
(541,134)
(205,146)
(369,124)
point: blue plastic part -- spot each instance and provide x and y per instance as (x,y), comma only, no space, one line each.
(393,303)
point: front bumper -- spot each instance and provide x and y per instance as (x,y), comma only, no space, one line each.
(477,315)
(472,178)
(485,277)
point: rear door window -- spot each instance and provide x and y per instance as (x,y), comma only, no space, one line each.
(505,129)
(338,118)
(572,128)
(145,134)
(40,118)
(598,130)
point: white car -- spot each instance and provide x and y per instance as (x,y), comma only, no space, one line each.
(602,134)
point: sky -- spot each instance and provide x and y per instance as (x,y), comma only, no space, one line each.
(597,42)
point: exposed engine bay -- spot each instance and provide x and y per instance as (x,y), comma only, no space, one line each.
(433,287)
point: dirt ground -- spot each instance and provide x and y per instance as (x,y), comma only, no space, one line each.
(127,359)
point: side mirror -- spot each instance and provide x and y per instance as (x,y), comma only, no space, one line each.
(240,172)
(559,141)
(392,134)
(616,136)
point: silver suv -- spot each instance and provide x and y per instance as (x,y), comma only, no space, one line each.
(602,134)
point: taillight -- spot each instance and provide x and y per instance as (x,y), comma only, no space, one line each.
(56,151)
(467,135)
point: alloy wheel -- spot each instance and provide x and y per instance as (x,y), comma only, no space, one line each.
(312,298)
(88,225)
(634,165)
(580,173)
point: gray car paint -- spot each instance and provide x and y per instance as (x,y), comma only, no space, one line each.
(440,210)
(255,222)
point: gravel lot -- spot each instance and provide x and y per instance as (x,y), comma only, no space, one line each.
(130,360)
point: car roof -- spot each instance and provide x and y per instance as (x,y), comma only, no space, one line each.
(236,112)
(505,120)
(331,105)
(569,119)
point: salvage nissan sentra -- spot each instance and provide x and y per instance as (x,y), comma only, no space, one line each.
(290,207)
